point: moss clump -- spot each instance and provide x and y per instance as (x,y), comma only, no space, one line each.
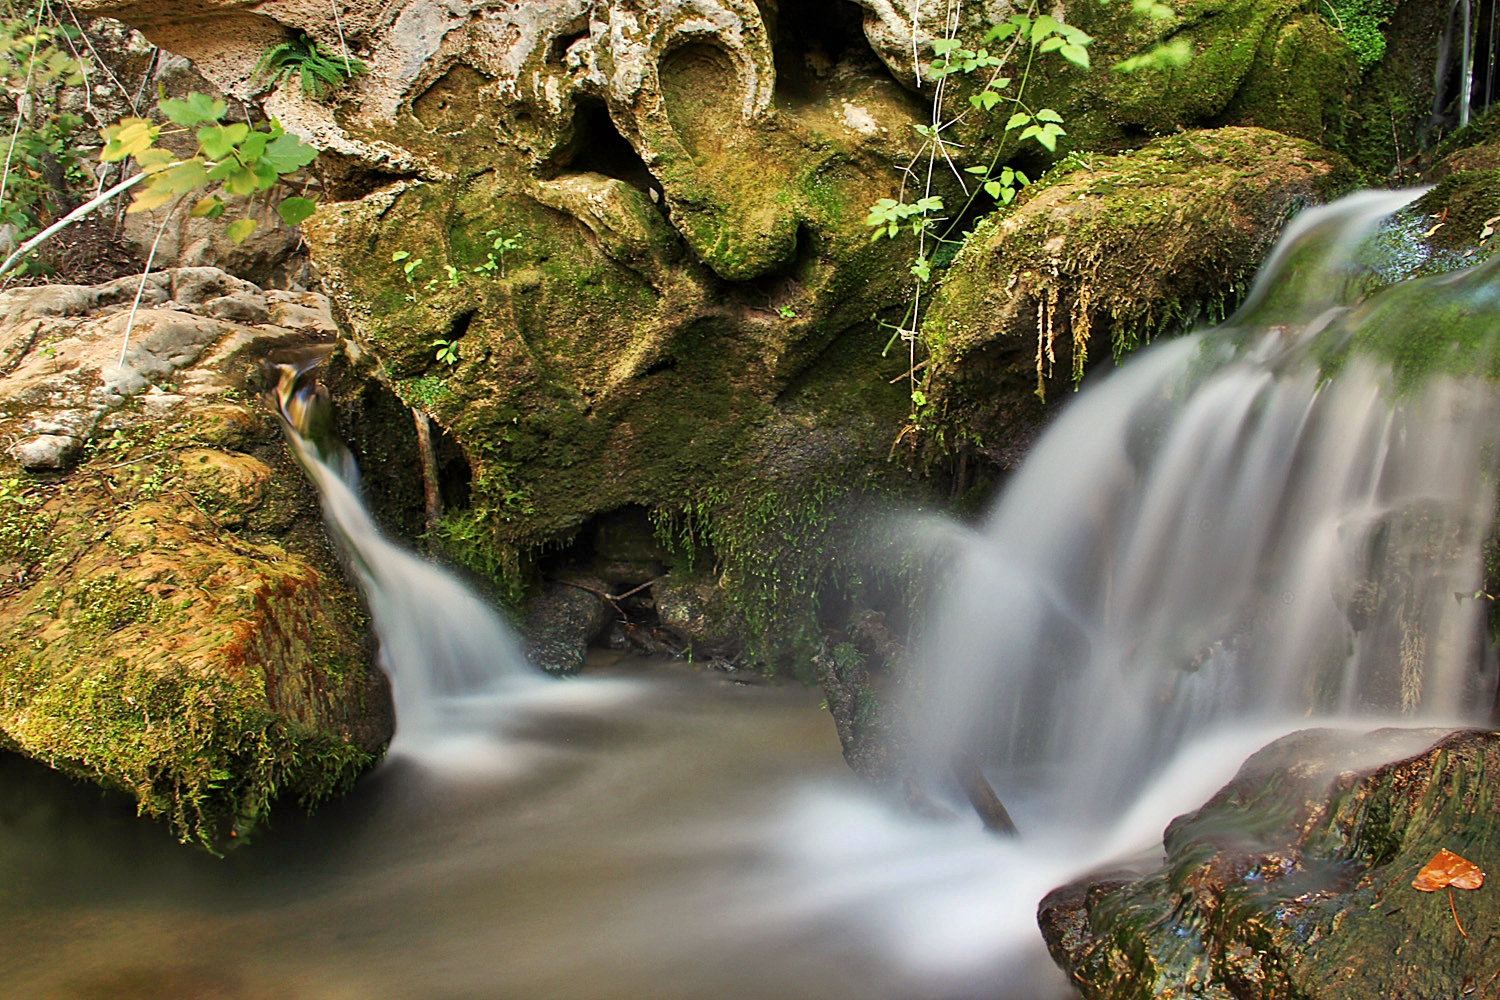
(208,665)
(25,526)
(1360,22)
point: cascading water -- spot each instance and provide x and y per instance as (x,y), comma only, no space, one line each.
(1215,546)
(451,661)
(1221,535)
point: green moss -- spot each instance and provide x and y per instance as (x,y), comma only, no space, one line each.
(1360,22)
(25,527)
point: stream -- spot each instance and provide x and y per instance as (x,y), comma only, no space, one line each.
(1205,552)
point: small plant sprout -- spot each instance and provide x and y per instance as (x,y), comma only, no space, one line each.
(447,351)
(786,312)
(494,264)
(409,265)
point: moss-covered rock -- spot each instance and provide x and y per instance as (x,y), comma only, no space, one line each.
(1104,254)
(172,622)
(1294,881)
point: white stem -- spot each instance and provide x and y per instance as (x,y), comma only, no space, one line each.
(339,24)
(68,220)
(130,321)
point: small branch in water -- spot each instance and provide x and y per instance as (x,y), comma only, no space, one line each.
(430,491)
(614,599)
(981,796)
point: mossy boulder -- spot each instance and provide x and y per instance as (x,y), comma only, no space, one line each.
(1102,255)
(172,622)
(1295,881)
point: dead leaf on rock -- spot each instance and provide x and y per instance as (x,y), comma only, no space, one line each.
(1448,869)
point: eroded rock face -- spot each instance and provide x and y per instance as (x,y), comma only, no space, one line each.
(617,250)
(1294,881)
(172,623)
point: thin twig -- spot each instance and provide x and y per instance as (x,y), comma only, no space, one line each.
(68,220)
(337,23)
(141,289)
(137,461)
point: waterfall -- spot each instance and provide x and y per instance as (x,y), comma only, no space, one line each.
(1220,535)
(451,660)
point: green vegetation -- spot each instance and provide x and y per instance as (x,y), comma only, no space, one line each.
(314,64)
(42,165)
(1360,22)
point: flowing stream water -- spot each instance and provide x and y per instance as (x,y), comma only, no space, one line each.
(1210,548)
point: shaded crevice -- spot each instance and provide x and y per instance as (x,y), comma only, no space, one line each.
(595,145)
(573,32)
(811,41)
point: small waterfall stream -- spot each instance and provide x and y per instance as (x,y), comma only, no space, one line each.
(1216,545)
(1222,535)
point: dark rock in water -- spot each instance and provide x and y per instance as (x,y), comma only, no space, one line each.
(1294,881)
(563,620)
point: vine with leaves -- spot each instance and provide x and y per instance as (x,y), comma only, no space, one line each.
(919,208)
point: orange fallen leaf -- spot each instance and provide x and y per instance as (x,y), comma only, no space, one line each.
(1448,869)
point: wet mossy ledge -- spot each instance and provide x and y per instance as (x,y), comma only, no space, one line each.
(172,622)
(1101,256)
(1294,881)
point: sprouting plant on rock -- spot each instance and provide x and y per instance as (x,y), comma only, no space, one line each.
(314,64)
(495,257)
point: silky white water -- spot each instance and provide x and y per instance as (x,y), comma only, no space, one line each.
(1214,546)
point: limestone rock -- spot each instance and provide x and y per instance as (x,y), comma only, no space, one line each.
(172,623)
(1294,881)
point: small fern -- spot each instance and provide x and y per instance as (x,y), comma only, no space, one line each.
(315,65)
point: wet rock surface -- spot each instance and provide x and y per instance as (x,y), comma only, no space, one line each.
(1294,881)
(172,622)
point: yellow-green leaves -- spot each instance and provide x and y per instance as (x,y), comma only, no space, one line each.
(233,159)
(126,138)
(1168,55)
(1044,126)
(239,230)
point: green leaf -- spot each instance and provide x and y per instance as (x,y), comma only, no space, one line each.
(1076,54)
(1043,26)
(1017,120)
(287,154)
(253,146)
(976,170)
(1050,45)
(239,230)
(154,159)
(295,210)
(218,140)
(195,109)
(400,255)
(943,46)
(1048,115)
(993,188)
